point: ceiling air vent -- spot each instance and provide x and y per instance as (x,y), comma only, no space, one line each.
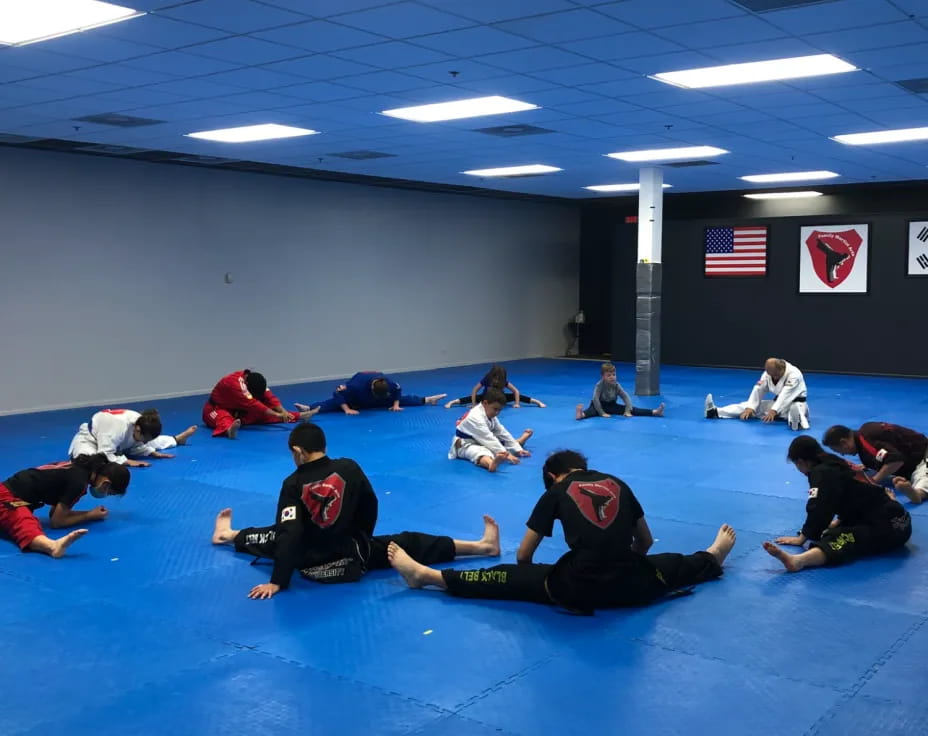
(362,155)
(120,121)
(759,6)
(919,86)
(686,164)
(513,131)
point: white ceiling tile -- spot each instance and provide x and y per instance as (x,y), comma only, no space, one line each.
(533,60)
(470,41)
(320,36)
(645,14)
(245,51)
(393,55)
(318,67)
(834,16)
(494,11)
(572,25)
(885,35)
(234,16)
(180,64)
(623,46)
(165,33)
(404,20)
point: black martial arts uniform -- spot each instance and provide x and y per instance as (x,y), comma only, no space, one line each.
(326,515)
(598,513)
(882,443)
(869,521)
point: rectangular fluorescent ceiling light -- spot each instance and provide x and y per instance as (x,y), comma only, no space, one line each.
(459,109)
(514,170)
(29,21)
(883,136)
(668,154)
(619,187)
(757,71)
(249,133)
(783,195)
(790,176)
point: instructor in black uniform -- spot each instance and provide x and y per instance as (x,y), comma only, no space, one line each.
(606,567)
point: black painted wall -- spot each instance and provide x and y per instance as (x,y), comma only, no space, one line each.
(741,321)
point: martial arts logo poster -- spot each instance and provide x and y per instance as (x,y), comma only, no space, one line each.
(833,259)
(918,248)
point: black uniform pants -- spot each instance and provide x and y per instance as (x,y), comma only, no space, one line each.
(611,407)
(353,557)
(510,397)
(653,577)
(842,544)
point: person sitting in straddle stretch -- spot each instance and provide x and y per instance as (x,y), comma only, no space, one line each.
(496,377)
(846,518)
(483,440)
(371,390)
(326,514)
(605,393)
(607,565)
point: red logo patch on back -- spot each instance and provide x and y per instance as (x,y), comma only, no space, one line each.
(833,255)
(323,499)
(598,501)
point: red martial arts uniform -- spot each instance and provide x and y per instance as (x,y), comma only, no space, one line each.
(231,400)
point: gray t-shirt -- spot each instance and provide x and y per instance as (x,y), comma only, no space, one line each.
(609,392)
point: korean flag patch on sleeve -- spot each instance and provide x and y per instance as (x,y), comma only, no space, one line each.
(881,455)
(288,513)
(813,493)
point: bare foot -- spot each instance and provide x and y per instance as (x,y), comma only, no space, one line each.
(232,432)
(432,400)
(788,560)
(526,436)
(578,414)
(406,566)
(185,435)
(453,402)
(222,532)
(915,495)
(489,544)
(496,460)
(306,411)
(659,411)
(539,404)
(723,543)
(60,546)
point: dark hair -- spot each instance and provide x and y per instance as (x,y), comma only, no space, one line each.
(806,447)
(256,384)
(308,437)
(149,423)
(494,396)
(834,435)
(560,462)
(496,377)
(99,464)
(380,388)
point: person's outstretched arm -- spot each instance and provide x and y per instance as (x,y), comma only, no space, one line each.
(641,537)
(527,547)
(473,393)
(515,392)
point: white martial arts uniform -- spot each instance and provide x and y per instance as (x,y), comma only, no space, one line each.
(788,389)
(110,432)
(478,436)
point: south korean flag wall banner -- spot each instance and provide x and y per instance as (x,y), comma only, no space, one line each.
(833,259)
(918,248)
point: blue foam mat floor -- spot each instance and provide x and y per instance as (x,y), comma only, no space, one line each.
(145,627)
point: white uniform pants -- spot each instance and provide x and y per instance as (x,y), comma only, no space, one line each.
(797,413)
(919,477)
(469,450)
(84,443)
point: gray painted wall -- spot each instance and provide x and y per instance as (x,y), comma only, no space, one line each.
(113,279)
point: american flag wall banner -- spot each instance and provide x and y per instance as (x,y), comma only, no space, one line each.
(736,251)
(918,248)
